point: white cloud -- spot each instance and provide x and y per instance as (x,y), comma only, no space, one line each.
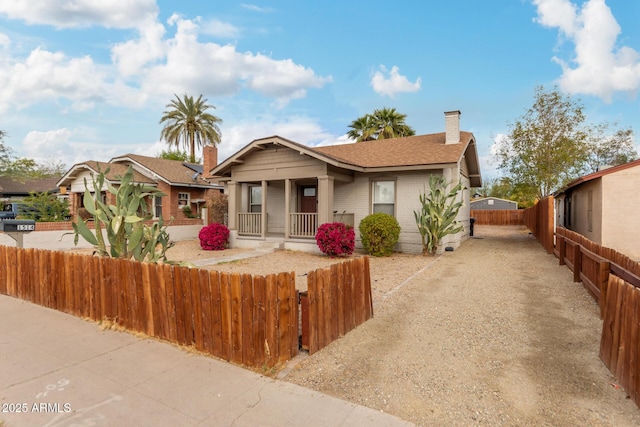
(302,130)
(151,66)
(81,13)
(131,56)
(217,28)
(76,146)
(255,8)
(4,41)
(390,83)
(48,75)
(219,70)
(599,67)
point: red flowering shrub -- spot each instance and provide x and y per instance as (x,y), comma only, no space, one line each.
(336,239)
(214,237)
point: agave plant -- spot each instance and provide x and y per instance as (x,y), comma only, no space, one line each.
(127,235)
(437,218)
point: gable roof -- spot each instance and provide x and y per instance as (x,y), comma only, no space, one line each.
(408,153)
(596,175)
(146,170)
(116,171)
(10,186)
(173,172)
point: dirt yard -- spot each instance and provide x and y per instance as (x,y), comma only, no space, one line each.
(495,333)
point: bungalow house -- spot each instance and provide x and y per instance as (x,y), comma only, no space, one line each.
(280,190)
(185,184)
(603,207)
(493,203)
(14,190)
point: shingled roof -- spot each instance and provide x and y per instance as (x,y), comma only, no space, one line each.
(146,170)
(408,151)
(115,172)
(174,172)
(10,186)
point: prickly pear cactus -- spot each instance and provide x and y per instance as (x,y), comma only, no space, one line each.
(123,223)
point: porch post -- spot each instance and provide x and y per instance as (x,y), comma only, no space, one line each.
(263,216)
(233,204)
(325,199)
(287,207)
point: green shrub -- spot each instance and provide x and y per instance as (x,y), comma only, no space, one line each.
(379,233)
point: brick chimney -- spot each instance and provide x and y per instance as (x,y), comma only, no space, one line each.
(452,127)
(209,159)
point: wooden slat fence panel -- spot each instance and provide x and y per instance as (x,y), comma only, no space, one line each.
(498,217)
(610,277)
(539,219)
(245,319)
(620,335)
(339,299)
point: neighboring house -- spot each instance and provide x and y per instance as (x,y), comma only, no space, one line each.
(281,190)
(493,203)
(603,207)
(183,183)
(12,189)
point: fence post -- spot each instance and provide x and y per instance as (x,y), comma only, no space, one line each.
(604,269)
(562,248)
(577,262)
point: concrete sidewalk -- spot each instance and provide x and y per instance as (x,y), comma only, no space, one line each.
(59,370)
(63,240)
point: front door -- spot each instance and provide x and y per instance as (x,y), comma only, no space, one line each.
(305,224)
(309,199)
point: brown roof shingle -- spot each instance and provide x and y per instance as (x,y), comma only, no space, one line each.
(9,185)
(408,151)
(173,171)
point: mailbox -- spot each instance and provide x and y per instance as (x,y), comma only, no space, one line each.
(21,225)
(16,228)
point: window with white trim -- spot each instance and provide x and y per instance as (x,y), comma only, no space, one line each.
(255,199)
(183,200)
(384,197)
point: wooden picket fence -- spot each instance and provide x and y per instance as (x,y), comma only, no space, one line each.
(612,279)
(539,219)
(249,320)
(498,217)
(338,300)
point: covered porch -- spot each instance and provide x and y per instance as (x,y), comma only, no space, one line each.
(280,208)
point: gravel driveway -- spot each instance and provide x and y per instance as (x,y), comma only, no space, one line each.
(495,333)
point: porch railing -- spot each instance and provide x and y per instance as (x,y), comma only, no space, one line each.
(303,224)
(250,223)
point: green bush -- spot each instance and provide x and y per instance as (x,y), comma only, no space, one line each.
(379,233)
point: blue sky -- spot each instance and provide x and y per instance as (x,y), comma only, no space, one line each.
(89,79)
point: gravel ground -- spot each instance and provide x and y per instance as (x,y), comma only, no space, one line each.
(495,333)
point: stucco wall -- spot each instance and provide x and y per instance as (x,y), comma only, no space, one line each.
(356,198)
(580,210)
(277,163)
(621,204)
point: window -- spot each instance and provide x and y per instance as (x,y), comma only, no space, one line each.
(183,200)
(384,197)
(490,201)
(255,199)
(158,206)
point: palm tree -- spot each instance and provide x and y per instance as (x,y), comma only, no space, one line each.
(188,123)
(390,124)
(382,124)
(362,129)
